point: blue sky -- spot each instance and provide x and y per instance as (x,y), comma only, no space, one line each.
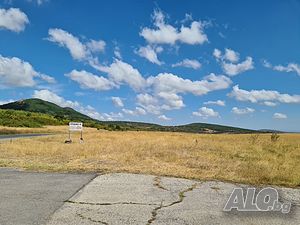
(227,62)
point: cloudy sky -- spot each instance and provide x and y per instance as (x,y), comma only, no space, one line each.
(226,62)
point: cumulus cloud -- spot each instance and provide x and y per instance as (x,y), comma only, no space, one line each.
(155,93)
(268,103)
(218,102)
(117,52)
(231,55)
(167,34)
(15,72)
(117,101)
(229,62)
(206,112)
(189,63)
(123,73)
(161,101)
(168,82)
(138,111)
(91,81)
(291,67)
(49,96)
(261,96)
(234,69)
(165,90)
(78,50)
(164,117)
(13,19)
(217,54)
(279,116)
(3,102)
(96,46)
(170,100)
(242,111)
(47,78)
(150,53)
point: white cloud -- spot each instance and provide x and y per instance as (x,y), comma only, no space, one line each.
(165,89)
(89,80)
(117,101)
(123,73)
(78,50)
(268,103)
(229,62)
(13,19)
(234,69)
(112,116)
(167,34)
(138,111)
(117,52)
(217,53)
(258,96)
(218,102)
(164,117)
(170,101)
(231,55)
(242,111)
(189,63)
(168,82)
(49,96)
(279,116)
(15,72)
(3,102)
(155,93)
(291,67)
(266,64)
(206,112)
(96,46)
(48,79)
(39,2)
(150,53)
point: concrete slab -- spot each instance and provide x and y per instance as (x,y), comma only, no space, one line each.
(142,199)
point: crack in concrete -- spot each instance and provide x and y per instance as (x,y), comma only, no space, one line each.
(112,203)
(181,198)
(90,219)
(157,183)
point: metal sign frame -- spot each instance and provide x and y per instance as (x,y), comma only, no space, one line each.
(74,127)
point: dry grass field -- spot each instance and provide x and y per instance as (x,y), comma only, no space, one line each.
(229,157)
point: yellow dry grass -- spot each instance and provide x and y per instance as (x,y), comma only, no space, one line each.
(227,157)
(25,130)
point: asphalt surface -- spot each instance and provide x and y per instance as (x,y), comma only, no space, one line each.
(15,136)
(28,198)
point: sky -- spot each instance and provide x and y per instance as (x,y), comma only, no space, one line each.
(168,62)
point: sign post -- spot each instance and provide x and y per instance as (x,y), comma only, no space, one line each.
(75,127)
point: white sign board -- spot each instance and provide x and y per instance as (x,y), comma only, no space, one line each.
(75,126)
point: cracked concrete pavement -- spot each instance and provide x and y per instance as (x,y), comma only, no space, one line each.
(144,199)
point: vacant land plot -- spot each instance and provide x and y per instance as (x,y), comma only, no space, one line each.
(253,159)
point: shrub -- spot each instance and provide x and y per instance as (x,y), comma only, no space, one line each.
(274,137)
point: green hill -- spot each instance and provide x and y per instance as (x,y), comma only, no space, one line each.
(15,118)
(37,113)
(40,106)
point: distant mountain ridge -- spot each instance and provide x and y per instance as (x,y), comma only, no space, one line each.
(38,109)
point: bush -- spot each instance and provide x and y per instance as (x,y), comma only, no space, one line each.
(274,137)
